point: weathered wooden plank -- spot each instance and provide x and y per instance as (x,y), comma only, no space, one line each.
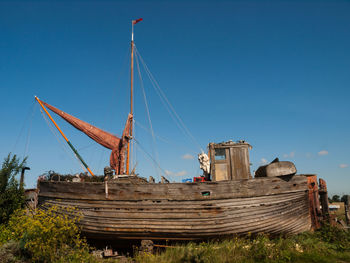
(228,218)
(184,212)
(285,222)
(219,224)
(282,209)
(292,226)
(222,190)
(185,205)
(274,205)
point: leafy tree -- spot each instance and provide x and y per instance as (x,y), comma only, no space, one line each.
(11,196)
(343,198)
(336,198)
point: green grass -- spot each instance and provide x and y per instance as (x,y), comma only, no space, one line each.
(326,245)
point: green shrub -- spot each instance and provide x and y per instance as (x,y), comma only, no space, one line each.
(11,196)
(11,253)
(47,235)
(336,237)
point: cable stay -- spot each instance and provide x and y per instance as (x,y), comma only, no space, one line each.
(60,141)
(28,134)
(148,130)
(86,146)
(177,119)
(28,118)
(151,158)
(163,139)
(64,136)
(134,148)
(154,151)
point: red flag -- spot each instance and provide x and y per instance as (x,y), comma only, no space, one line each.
(136,21)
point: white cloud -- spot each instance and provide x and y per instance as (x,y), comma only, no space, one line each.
(263,161)
(343,165)
(187,156)
(290,155)
(181,173)
(323,152)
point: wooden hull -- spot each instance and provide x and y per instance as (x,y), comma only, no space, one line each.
(184,211)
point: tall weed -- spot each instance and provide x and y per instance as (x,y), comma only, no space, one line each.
(327,245)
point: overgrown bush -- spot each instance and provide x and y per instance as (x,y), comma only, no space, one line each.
(11,195)
(11,253)
(336,237)
(47,235)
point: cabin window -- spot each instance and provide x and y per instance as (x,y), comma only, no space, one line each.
(220,154)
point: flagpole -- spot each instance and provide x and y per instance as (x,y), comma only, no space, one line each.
(128,156)
(131,96)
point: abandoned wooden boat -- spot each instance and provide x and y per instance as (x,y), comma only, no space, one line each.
(226,200)
(232,203)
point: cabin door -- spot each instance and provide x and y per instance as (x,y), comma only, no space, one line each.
(239,162)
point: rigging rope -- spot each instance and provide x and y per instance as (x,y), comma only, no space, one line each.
(165,140)
(59,139)
(147,130)
(177,119)
(134,152)
(152,159)
(148,112)
(30,112)
(28,134)
(86,146)
(100,160)
(110,103)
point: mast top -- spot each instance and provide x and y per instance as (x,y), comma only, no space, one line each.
(134,22)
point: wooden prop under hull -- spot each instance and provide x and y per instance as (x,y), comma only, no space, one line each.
(184,211)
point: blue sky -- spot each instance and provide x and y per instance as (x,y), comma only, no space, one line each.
(274,73)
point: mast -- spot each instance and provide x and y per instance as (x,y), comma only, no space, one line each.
(128,156)
(64,136)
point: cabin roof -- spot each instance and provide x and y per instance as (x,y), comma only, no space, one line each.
(231,143)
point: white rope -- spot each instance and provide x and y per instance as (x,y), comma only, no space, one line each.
(177,119)
(148,113)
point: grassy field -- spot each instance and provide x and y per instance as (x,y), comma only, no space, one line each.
(327,245)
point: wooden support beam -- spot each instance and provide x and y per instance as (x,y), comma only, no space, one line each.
(324,200)
(313,201)
(347,209)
